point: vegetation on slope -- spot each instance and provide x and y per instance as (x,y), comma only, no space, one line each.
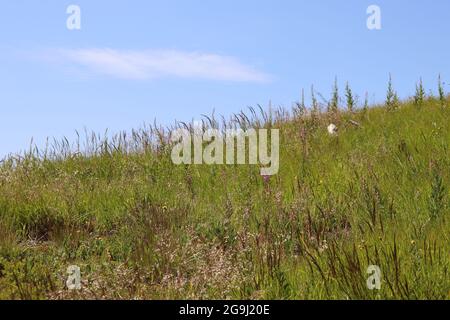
(138,226)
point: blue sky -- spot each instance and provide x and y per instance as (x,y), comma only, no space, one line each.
(139,60)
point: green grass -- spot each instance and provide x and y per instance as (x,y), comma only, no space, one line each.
(141,227)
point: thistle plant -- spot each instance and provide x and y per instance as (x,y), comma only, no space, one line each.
(301,107)
(419,97)
(396,101)
(315,104)
(349,97)
(334,103)
(442,99)
(366,102)
(392,100)
(302,102)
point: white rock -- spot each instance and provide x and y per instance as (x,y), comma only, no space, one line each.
(332,129)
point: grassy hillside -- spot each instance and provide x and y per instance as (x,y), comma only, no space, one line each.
(139,226)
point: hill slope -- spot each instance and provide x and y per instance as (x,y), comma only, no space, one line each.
(139,226)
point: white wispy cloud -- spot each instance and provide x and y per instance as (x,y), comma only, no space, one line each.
(150,64)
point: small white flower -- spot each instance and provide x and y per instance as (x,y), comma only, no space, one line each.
(332,129)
